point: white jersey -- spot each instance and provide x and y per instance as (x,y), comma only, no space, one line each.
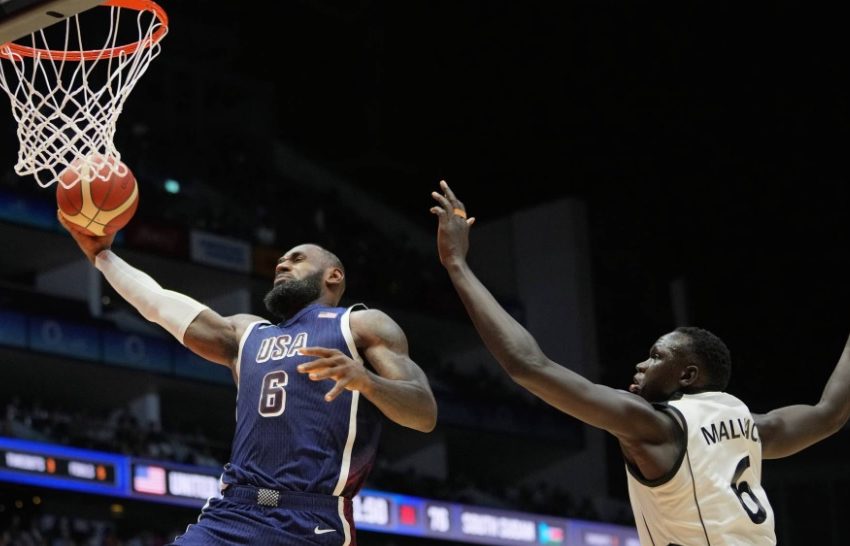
(713,495)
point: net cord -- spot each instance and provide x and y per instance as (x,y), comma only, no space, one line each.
(66,114)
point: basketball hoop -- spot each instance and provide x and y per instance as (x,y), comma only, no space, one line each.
(67,97)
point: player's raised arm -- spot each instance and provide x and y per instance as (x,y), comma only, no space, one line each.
(192,323)
(787,430)
(398,386)
(627,416)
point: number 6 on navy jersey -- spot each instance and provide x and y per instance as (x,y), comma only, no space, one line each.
(273,394)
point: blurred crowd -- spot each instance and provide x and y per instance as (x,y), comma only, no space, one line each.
(119,432)
(21,529)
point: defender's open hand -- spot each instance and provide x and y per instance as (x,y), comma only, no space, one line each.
(453,229)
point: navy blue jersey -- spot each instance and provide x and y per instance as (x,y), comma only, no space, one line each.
(287,436)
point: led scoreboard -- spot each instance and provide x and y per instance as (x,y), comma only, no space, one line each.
(171,483)
(69,468)
(406,515)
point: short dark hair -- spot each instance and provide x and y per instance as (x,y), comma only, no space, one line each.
(712,353)
(332,260)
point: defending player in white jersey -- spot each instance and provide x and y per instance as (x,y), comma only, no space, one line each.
(693,453)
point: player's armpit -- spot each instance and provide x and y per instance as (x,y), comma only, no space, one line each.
(216,338)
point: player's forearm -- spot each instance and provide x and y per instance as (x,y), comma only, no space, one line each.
(171,310)
(407,403)
(790,429)
(510,344)
(835,400)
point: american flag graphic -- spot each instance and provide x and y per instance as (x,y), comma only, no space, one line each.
(550,534)
(149,479)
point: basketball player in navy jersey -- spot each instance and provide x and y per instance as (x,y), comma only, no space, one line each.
(303,446)
(692,452)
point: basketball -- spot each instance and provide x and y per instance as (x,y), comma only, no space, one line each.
(99,202)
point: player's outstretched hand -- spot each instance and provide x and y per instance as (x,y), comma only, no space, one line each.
(91,245)
(453,228)
(335,365)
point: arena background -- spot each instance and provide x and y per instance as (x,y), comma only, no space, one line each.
(632,167)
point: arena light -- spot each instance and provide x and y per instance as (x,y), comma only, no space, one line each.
(171,186)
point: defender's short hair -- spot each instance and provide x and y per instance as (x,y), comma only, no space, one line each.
(713,355)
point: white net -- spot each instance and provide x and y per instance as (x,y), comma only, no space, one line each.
(67,99)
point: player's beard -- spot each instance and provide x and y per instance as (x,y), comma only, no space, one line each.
(290,296)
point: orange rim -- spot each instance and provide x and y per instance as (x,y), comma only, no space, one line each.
(10,49)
